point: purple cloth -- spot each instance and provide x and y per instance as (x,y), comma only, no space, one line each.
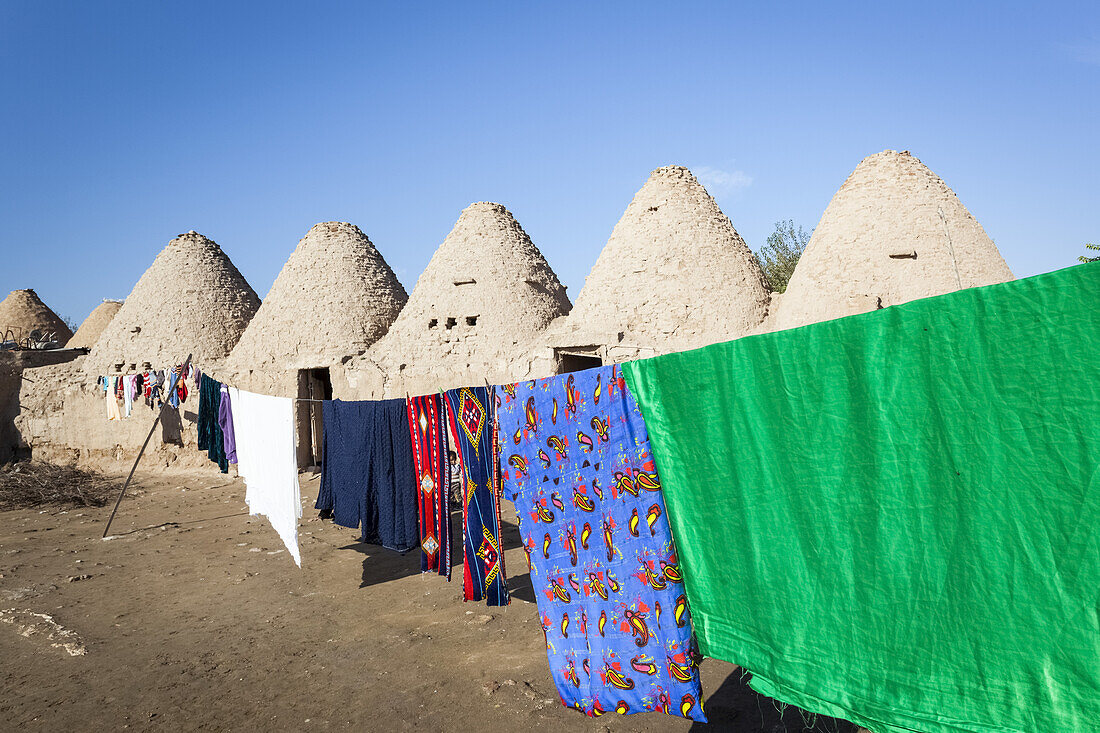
(225,422)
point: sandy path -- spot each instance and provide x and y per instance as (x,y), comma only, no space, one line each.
(204,623)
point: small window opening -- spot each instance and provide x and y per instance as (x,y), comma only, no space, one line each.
(452,322)
(433,323)
(575,360)
(471,320)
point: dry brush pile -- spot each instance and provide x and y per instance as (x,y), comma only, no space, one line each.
(31,484)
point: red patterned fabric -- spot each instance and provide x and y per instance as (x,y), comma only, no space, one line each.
(433,475)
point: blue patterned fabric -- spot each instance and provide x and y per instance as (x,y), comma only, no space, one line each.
(575,458)
(470,426)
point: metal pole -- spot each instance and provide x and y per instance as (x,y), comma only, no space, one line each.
(175,381)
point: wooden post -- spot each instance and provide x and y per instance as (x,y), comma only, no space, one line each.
(175,381)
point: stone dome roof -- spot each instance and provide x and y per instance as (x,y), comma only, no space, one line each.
(894,232)
(192,299)
(675,274)
(90,330)
(486,290)
(23,311)
(334,297)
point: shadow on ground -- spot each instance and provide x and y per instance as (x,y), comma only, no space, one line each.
(737,708)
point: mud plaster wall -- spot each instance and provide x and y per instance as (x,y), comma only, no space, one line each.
(16,370)
(62,419)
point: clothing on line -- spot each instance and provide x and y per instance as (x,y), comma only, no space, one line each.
(113,412)
(225,423)
(367,474)
(470,423)
(428,436)
(210,436)
(268,462)
(576,461)
(894,518)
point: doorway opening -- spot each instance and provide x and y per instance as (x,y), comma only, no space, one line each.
(314,385)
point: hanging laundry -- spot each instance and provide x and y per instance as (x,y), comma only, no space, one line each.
(225,424)
(577,464)
(267,460)
(895,517)
(128,395)
(367,474)
(432,471)
(171,394)
(211,439)
(109,392)
(470,423)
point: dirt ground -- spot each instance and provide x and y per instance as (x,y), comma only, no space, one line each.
(193,617)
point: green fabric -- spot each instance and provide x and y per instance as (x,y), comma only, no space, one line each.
(893,517)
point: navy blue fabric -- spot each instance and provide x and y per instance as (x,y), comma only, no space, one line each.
(367,475)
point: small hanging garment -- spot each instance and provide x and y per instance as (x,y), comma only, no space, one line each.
(128,394)
(432,471)
(171,394)
(470,423)
(267,460)
(367,475)
(894,517)
(576,462)
(225,423)
(210,437)
(112,400)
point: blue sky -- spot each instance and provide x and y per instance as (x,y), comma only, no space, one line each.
(124,124)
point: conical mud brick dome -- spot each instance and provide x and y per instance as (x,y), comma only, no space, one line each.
(93,326)
(334,297)
(23,312)
(675,274)
(894,232)
(192,299)
(486,293)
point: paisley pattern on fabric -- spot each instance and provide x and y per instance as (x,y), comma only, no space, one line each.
(470,415)
(433,476)
(575,458)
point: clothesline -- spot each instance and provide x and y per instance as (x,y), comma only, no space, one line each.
(929,470)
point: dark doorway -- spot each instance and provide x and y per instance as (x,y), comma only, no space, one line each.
(314,385)
(577,360)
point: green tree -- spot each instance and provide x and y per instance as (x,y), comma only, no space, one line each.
(1086,258)
(780,254)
